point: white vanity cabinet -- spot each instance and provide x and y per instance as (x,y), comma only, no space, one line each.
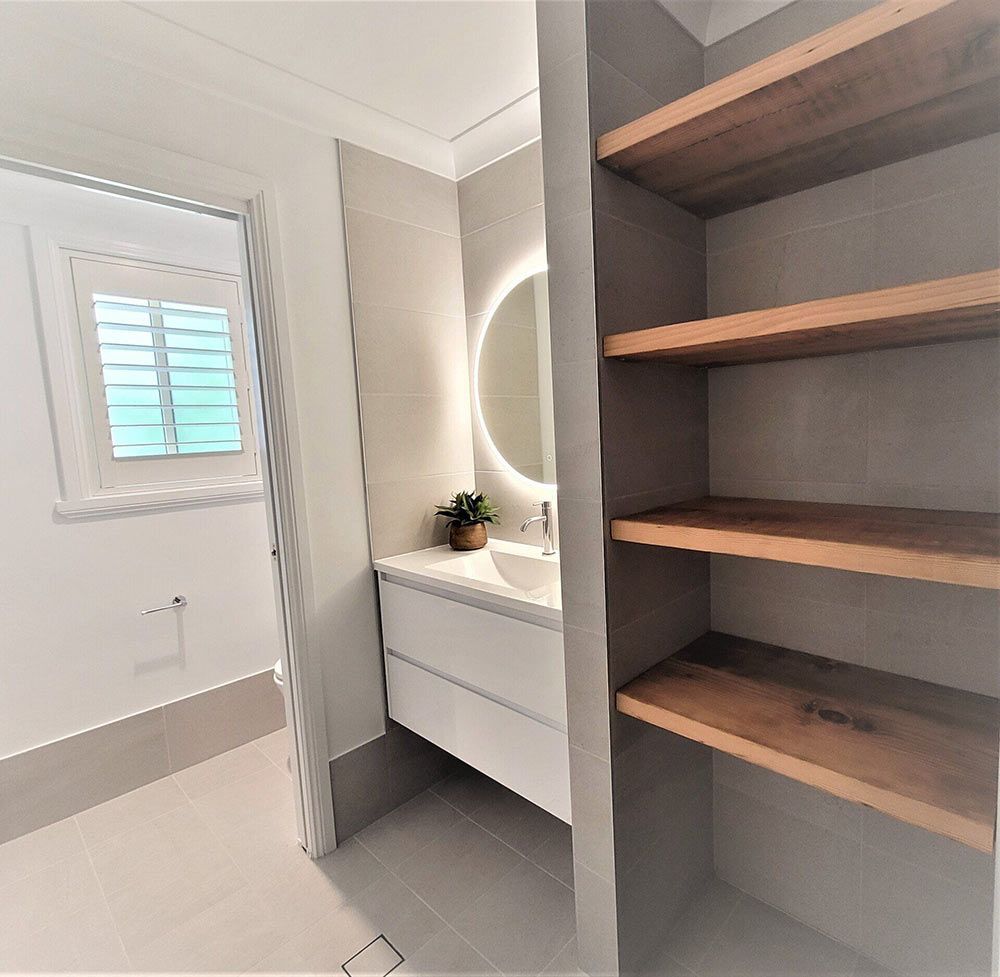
(482,681)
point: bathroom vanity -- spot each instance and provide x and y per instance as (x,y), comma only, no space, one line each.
(474,661)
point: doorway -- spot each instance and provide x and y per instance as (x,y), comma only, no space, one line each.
(149,598)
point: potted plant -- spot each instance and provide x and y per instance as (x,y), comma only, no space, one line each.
(467,514)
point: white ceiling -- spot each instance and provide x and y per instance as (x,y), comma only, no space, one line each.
(442,66)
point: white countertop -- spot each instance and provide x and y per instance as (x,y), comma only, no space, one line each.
(511,576)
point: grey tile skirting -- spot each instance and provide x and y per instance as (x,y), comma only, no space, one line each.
(52,782)
(380,775)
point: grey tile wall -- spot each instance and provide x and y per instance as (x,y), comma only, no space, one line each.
(52,782)
(503,240)
(566,141)
(650,270)
(909,427)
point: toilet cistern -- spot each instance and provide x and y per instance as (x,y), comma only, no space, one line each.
(548,546)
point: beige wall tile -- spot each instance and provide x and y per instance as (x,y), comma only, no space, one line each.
(499,256)
(504,188)
(384,186)
(402,512)
(404,352)
(403,266)
(412,436)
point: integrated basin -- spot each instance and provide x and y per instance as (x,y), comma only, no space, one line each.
(508,575)
(532,575)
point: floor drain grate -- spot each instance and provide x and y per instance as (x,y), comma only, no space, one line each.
(376,959)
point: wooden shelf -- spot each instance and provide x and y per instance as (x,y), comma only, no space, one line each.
(925,754)
(920,544)
(899,80)
(966,307)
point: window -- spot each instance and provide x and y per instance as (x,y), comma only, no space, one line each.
(163,390)
(169,379)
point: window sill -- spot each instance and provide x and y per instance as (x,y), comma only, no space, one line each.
(129,502)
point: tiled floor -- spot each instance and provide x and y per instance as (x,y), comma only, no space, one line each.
(201,872)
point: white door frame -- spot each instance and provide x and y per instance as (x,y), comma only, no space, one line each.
(87,157)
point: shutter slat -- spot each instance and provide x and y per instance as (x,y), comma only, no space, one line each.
(203,313)
(162,333)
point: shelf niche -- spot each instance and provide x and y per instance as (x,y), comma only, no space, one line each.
(922,753)
(896,81)
(918,544)
(946,310)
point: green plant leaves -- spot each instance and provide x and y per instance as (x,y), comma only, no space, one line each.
(469,508)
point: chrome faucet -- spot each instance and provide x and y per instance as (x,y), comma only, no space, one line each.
(548,528)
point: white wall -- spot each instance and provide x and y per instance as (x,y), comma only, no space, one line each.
(82,99)
(76,653)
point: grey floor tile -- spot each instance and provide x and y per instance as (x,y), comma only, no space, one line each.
(555,854)
(39,849)
(445,955)
(83,942)
(404,831)
(226,937)
(387,908)
(47,898)
(155,849)
(375,960)
(156,904)
(457,867)
(121,814)
(229,806)
(758,941)
(564,964)
(226,768)
(304,890)
(516,821)
(521,922)
(708,911)
(275,746)
(467,790)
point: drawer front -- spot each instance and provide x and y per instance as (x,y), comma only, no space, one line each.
(530,758)
(514,660)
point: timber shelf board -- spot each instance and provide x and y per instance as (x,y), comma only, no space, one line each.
(923,753)
(941,311)
(918,544)
(901,79)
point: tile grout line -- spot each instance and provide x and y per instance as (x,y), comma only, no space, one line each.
(516,851)
(447,924)
(104,896)
(560,951)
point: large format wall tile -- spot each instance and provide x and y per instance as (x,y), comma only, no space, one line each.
(405,352)
(384,186)
(497,257)
(404,266)
(414,436)
(509,186)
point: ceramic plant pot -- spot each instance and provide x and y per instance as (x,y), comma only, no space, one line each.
(467,537)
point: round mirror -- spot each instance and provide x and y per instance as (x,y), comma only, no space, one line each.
(513,381)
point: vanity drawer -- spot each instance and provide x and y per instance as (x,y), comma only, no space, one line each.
(516,661)
(527,756)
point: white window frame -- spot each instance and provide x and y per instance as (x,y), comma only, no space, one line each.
(74,402)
